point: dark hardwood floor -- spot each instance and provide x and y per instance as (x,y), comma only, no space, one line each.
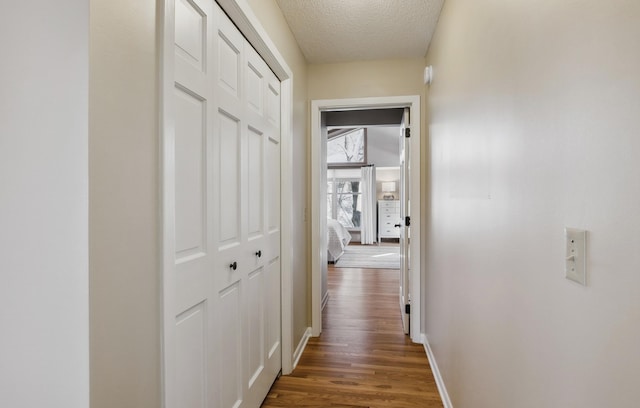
(362,358)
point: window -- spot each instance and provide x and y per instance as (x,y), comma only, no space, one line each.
(344,202)
(346,147)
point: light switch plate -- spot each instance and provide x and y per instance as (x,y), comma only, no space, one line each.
(576,254)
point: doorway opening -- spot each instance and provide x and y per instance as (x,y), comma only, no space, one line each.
(329,115)
(363,188)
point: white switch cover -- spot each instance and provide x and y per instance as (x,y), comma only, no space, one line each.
(576,255)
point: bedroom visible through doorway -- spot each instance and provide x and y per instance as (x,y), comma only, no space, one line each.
(362,195)
(362,176)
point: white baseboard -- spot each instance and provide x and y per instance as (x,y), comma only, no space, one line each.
(301,346)
(325,299)
(436,373)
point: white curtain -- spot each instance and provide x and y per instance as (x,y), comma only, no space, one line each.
(368,214)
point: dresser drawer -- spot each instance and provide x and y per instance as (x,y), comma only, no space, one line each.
(389,222)
(383,218)
(389,204)
(389,210)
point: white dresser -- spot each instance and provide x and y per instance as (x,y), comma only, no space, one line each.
(388,217)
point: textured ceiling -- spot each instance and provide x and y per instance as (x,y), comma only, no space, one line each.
(354,30)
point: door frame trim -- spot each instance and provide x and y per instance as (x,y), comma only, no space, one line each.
(318,163)
(243,17)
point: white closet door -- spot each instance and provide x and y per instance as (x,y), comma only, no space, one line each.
(262,158)
(229,206)
(225,344)
(247,205)
(262,161)
(190,375)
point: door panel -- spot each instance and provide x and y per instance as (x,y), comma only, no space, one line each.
(273,205)
(190,33)
(253,161)
(230,213)
(273,312)
(230,44)
(255,84)
(190,175)
(272,227)
(274,104)
(230,346)
(274,185)
(256,325)
(405,145)
(228,174)
(191,341)
(255,193)
(229,66)
(190,225)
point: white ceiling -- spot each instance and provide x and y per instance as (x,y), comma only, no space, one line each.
(355,30)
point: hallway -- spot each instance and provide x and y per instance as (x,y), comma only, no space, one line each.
(362,358)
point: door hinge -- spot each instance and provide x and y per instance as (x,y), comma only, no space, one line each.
(407,132)
(407,309)
(407,221)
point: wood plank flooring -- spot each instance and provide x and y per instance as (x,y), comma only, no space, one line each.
(362,359)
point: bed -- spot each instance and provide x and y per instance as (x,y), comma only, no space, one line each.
(337,238)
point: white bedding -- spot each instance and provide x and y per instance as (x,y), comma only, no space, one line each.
(338,237)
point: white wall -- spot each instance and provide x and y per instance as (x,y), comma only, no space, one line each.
(44,340)
(534,126)
(388,174)
(276,26)
(366,78)
(123,205)
(383,146)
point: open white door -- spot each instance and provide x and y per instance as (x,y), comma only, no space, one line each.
(404,220)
